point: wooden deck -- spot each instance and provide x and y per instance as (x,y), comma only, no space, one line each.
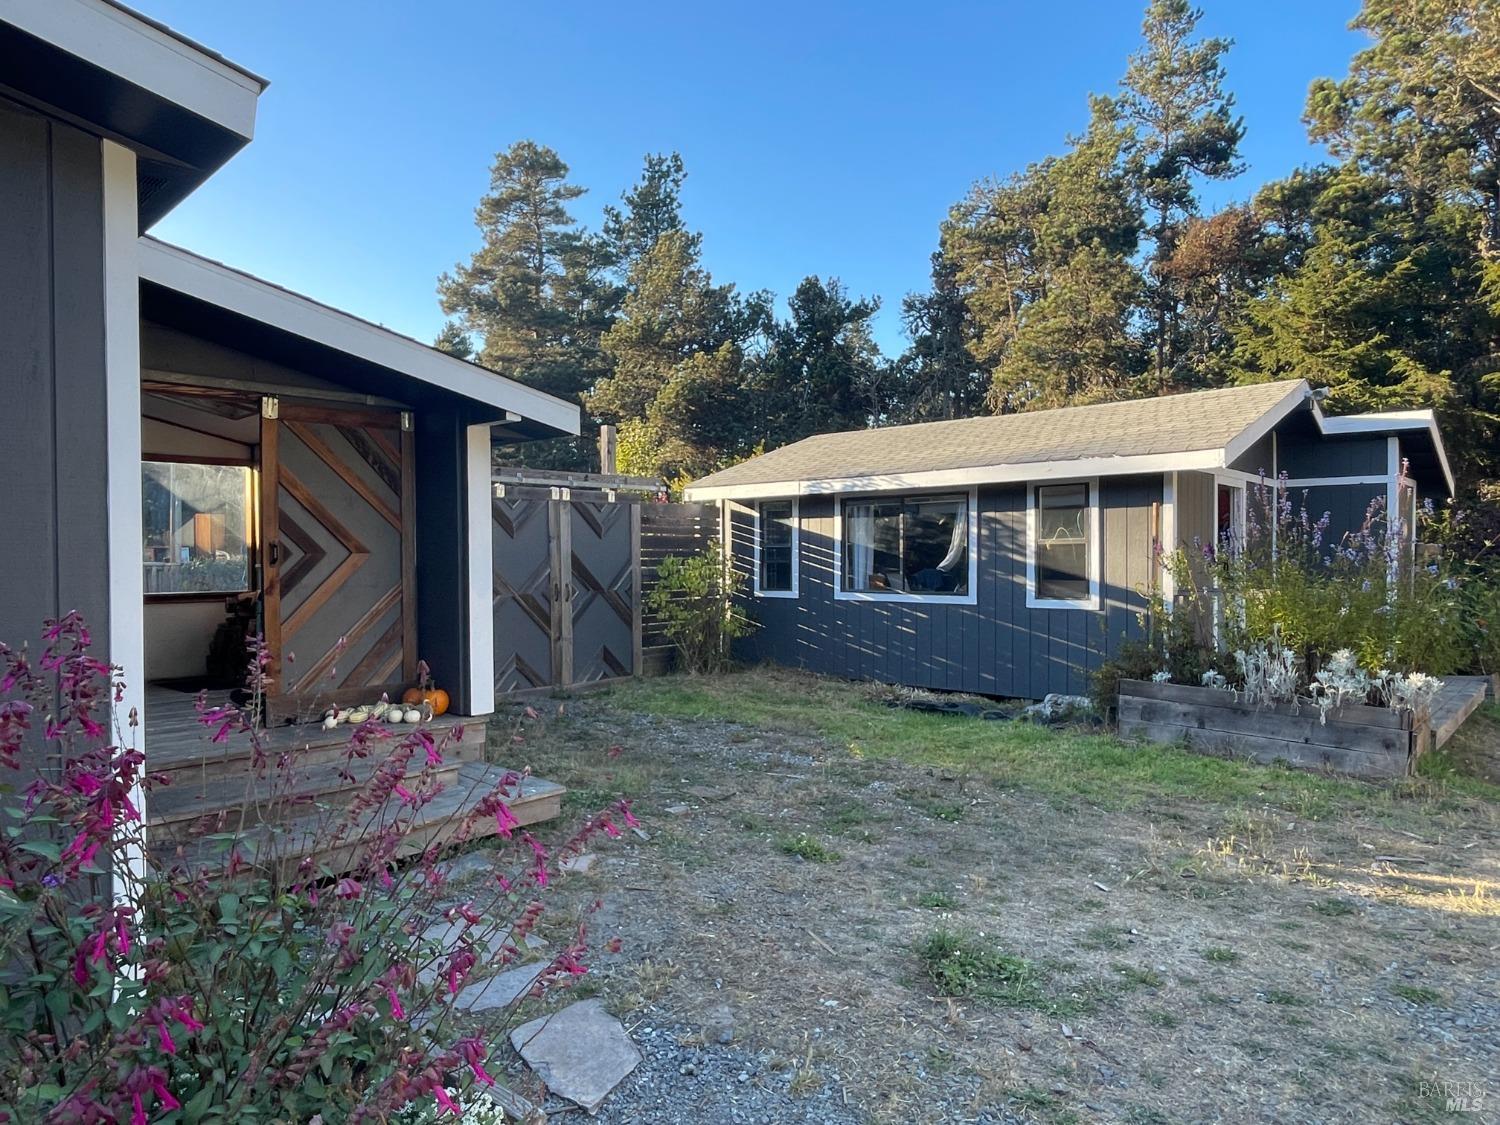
(213,787)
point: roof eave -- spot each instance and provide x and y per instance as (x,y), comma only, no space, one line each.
(1079,469)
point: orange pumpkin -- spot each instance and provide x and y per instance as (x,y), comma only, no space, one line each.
(436,698)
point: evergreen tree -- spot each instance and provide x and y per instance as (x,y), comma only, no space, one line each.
(534,294)
(454,340)
(1045,261)
(653,207)
(937,377)
(1182,127)
(822,371)
(672,315)
(1393,297)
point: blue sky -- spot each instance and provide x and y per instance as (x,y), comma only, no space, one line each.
(825,138)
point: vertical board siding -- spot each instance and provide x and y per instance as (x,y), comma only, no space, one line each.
(54,507)
(997,646)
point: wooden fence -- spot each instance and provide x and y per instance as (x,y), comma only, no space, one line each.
(668,529)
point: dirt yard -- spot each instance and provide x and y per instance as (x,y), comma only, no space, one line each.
(908,917)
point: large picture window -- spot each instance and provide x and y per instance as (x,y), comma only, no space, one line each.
(911,546)
(196,527)
(1063,549)
(776,548)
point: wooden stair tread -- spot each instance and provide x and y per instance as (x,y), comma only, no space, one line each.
(537,801)
(1459,698)
(178,744)
(187,798)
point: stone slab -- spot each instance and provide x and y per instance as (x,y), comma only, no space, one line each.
(580,1052)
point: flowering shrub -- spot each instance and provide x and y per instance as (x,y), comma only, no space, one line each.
(221,977)
(1288,614)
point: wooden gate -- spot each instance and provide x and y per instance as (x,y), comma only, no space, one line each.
(337,518)
(566,588)
(524,590)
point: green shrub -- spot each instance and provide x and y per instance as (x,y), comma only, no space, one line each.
(696,600)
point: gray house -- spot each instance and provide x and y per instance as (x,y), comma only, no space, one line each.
(1009,555)
(193,453)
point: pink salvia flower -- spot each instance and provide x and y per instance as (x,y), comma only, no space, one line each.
(138,1111)
(505,820)
(397,1011)
(348,888)
(446,1102)
(167,1044)
(627,816)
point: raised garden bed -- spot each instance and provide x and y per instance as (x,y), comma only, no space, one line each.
(1356,740)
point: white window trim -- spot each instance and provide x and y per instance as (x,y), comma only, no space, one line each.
(842,595)
(1092,602)
(796,550)
(1241,517)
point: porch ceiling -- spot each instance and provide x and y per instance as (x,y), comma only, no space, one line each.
(205,299)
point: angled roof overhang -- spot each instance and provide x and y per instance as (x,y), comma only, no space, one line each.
(208,299)
(182,108)
(1421,441)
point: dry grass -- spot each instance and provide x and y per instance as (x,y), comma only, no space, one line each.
(1219,941)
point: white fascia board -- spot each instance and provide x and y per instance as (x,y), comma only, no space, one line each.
(480,568)
(1242,442)
(965,478)
(1387,422)
(140,52)
(185,272)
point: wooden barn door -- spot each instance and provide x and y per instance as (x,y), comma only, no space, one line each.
(340,577)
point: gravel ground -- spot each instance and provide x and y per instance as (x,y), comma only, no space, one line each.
(715,1085)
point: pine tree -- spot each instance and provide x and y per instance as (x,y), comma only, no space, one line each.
(822,371)
(534,294)
(1045,261)
(937,377)
(653,207)
(1183,128)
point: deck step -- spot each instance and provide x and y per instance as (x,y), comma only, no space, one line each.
(437,823)
(186,749)
(245,799)
(1459,698)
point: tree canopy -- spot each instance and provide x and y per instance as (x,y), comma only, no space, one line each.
(1092,274)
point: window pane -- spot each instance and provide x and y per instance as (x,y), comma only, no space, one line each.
(776,546)
(872,547)
(195,528)
(935,549)
(1062,547)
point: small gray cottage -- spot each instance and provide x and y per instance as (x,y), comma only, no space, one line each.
(1009,555)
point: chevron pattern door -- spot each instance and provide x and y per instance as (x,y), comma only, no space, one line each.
(525,591)
(566,589)
(603,552)
(340,585)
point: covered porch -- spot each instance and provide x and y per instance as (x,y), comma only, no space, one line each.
(323,484)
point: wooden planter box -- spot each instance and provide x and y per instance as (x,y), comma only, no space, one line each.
(1356,740)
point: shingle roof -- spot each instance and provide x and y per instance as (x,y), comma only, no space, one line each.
(1183,423)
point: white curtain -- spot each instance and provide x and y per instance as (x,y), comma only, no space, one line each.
(860,526)
(960,538)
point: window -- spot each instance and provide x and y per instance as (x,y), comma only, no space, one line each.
(776,548)
(907,547)
(1062,552)
(196,527)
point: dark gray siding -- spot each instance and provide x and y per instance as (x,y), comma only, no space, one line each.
(1333,457)
(1345,504)
(997,646)
(53,506)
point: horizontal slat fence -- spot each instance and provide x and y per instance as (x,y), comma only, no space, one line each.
(668,529)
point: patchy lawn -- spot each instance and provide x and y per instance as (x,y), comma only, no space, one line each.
(937,918)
